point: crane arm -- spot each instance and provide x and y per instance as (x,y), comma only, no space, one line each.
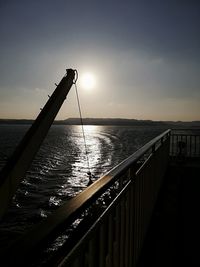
(17,165)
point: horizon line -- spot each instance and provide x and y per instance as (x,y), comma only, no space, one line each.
(107,118)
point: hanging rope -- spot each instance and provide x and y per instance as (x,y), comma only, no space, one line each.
(82,127)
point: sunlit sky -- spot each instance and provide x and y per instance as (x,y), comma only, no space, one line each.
(143,54)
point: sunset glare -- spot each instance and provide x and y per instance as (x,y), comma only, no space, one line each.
(139,58)
(88,80)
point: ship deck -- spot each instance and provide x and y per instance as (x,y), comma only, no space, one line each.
(174,232)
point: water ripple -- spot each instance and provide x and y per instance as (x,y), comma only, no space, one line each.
(60,168)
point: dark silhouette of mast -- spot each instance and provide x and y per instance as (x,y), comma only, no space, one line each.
(17,165)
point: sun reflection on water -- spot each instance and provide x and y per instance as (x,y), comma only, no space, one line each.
(94,149)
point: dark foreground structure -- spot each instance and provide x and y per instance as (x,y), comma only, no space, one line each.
(144,212)
(173,235)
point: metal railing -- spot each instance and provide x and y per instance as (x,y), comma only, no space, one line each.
(117,237)
(123,200)
(185,143)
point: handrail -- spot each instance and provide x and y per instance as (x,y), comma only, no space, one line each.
(73,207)
(90,232)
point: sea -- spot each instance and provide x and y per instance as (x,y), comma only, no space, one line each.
(59,170)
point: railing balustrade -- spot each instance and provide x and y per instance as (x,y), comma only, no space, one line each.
(119,233)
(116,236)
(185,143)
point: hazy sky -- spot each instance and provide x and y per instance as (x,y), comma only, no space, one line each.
(144,55)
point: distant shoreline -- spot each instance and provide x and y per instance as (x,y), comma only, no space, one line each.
(108,121)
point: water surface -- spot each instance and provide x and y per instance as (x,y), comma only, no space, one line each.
(60,168)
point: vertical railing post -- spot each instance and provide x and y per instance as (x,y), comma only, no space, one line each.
(110,241)
(102,245)
(122,232)
(117,236)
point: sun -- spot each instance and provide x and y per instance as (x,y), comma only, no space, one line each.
(88,80)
